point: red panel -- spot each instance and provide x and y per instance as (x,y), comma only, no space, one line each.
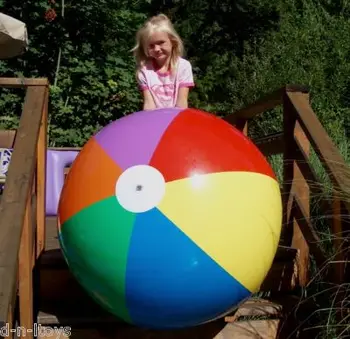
(198,142)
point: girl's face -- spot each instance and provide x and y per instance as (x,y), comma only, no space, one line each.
(159,47)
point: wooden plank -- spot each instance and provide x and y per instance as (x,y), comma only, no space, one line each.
(246,328)
(338,269)
(23,82)
(293,182)
(41,181)
(270,144)
(264,104)
(285,253)
(125,331)
(339,241)
(51,236)
(65,149)
(308,232)
(282,277)
(7,138)
(255,307)
(254,329)
(302,190)
(334,163)
(67,312)
(308,172)
(257,329)
(25,275)
(14,198)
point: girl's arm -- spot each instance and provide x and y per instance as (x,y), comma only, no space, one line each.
(148,102)
(182,98)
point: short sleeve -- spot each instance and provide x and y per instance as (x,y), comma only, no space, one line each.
(186,75)
(141,80)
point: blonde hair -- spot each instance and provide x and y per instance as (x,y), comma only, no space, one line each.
(158,23)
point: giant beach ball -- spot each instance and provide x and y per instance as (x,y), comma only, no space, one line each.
(169,218)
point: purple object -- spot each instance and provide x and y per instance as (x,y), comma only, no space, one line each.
(56,162)
(142,138)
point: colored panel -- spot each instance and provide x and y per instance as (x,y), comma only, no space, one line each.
(96,242)
(170,281)
(198,142)
(92,178)
(235,217)
(132,139)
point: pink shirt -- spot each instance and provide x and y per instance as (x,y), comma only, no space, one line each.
(164,87)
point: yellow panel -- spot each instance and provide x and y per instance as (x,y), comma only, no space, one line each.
(235,217)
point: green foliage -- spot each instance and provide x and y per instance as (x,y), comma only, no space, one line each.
(239,50)
(85,53)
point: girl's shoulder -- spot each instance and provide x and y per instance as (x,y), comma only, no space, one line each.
(183,63)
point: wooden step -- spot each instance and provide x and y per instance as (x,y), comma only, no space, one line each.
(242,326)
(255,329)
(87,312)
(208,331)
(242,330)
(255,318)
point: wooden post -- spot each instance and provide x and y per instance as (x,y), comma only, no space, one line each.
(337,232)
(302,190)
(294,183)
(339,268)
(25,274)
(41,180)
(288,172)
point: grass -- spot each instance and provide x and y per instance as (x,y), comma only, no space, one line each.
(329,297)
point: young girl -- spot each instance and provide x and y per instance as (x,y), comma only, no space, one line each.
(163,75)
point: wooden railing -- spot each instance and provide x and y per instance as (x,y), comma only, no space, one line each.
(22,207)
(302,130)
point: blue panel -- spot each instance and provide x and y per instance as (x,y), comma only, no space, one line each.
(170,281)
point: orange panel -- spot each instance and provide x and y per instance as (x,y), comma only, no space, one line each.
(91,178)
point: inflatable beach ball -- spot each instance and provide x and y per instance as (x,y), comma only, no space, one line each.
(170,218)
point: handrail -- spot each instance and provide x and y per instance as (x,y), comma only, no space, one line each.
(334,163)
(328,153)
(264,104)
(301,128)
(22,83)
(27,167)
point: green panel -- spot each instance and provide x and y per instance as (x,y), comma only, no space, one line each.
(95,243)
